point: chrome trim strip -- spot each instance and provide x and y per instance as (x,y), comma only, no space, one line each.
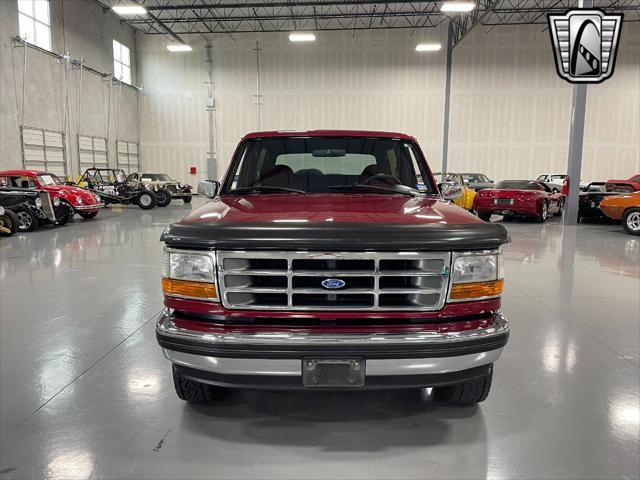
(94,206)
(375,273)
(293,366)
(166,326)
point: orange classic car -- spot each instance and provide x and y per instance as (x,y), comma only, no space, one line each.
(625,208)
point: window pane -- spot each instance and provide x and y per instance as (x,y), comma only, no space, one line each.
(26,28)
(116,51)
(43,36)
(126,74)
(125,56)
(26,6)
(117,70)
(42,11)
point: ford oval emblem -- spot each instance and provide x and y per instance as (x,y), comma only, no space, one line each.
(333,283)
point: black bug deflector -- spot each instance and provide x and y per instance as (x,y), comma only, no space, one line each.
(333,236)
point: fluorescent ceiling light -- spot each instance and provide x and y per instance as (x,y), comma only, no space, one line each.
(302,37)
(179,47)
(428,47)
(129,9)
(457,7)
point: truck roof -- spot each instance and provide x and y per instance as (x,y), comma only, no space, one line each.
(328,133)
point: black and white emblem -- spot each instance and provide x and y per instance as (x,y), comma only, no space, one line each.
(585,44)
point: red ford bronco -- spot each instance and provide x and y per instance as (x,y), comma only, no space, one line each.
(332,260)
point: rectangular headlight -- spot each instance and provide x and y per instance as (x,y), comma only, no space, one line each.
(476,276)
(189,274)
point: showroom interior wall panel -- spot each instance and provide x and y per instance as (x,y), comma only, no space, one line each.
(374,80)
(88,34)
(510,112)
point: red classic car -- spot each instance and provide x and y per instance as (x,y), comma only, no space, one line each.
(633,181)
(519,198)
(84,203)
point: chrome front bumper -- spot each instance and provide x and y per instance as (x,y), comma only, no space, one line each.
(392,359)
(82,208)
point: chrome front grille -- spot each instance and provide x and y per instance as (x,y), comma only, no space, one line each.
(372,281)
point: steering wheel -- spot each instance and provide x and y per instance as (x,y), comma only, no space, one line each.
(384,177)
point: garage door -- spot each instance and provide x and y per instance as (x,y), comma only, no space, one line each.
(93,152)
(128,156)
(44,150)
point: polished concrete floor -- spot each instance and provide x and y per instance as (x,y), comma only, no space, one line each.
(86,393)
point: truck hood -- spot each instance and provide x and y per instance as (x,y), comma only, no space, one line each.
(333,222)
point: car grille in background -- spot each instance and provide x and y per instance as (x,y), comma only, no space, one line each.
(171,187)
(372,281)
(47,206)
(503,201)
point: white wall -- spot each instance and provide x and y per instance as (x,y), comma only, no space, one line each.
(510,112)
(84,30)
(373,81)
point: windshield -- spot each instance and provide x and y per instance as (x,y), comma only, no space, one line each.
(475,178)
(518,185)
(327,164)
(48,179)
(156,177)
(449,177)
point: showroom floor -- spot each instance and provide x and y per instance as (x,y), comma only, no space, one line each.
(85,391)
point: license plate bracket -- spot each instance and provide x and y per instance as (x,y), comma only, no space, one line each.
(333,372)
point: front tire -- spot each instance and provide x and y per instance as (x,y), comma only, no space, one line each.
(631,220)
(64,219)
(186,199)
(467,393)
(27,221)
(544,213)
(195,392)
(9,221)
(147,200)
(484,216)
(164,197)
(561,210)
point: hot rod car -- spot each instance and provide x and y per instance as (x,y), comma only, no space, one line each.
(166,188)
(82,202)
(519,198)
(590,198)
(112,186)
(33,208)
(626,208)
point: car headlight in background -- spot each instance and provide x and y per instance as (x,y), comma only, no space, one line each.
(79,201)
(476,276)
(97,198)
(56,202)
(38,203)
(189,274)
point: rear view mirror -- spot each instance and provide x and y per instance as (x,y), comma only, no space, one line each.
(208,188)
(450,190)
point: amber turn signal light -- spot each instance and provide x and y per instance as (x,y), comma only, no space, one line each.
(469,291)
(186,288)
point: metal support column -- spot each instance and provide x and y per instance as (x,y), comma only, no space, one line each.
(447,101)
(576,137)
(212,169)
(258,94)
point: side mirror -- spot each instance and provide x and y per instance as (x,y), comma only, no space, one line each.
(208,188)
(450,190)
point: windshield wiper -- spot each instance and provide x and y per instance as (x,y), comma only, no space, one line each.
(266,189)
(362,186)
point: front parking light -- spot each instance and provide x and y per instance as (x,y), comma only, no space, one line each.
(189,274)
(476,276)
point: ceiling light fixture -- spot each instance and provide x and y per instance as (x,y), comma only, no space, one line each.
(457,7)
(428,47)
(126,10)
(179,47)
(302,37)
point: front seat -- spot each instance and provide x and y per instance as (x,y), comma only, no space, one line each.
(280,176)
